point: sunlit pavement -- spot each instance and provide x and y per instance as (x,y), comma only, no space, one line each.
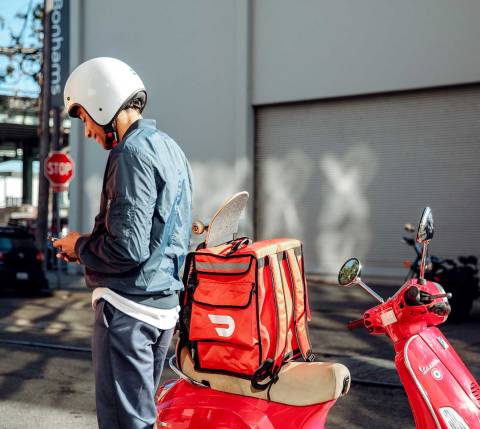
(46,378)
(43,388)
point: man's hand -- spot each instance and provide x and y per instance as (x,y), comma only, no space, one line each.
(66,246)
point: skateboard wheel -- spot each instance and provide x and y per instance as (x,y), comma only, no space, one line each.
(198,227)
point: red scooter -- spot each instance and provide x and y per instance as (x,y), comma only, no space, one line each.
(441,391)
(300,399)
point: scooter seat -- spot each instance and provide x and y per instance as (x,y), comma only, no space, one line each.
(299,383)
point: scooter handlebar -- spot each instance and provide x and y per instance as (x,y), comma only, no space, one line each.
(355,324)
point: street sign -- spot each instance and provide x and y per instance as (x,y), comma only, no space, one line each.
(59,170)
(59,14)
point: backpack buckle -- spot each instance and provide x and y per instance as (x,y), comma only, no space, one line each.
(266,370)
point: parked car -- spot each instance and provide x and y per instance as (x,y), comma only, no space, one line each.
(27,220)
(20,261)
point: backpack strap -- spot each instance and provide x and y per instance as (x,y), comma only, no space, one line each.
(267,373)
(282,313)
(190,283)
(299,294)
(238,244)
(299,256)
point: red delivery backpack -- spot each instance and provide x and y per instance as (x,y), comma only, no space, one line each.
(245,308)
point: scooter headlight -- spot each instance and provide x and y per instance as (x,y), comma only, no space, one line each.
(452,419)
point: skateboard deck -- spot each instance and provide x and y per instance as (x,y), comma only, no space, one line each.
(225,221)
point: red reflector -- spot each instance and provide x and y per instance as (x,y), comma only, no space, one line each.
(40,256)
(407,263)
(1,256)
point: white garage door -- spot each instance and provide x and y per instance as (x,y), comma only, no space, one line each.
(345,175)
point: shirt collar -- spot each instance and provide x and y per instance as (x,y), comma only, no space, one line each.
(140,123)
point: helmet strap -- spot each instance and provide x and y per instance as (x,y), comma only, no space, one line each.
(111,139)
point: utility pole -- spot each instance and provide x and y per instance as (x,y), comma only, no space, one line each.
(43,184)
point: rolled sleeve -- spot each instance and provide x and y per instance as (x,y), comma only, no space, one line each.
(124,242)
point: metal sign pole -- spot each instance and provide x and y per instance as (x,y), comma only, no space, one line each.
(59,230)
(43,184)
(59,37)
(56,221)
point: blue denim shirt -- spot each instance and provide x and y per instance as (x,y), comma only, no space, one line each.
(142,232)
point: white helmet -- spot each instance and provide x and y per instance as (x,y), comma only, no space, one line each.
(102,86)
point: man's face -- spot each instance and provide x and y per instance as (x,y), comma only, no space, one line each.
(92,130)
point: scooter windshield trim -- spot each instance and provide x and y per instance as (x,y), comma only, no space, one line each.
(417,382)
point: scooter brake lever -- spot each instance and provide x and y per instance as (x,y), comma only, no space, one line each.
(426,298)
(441,295)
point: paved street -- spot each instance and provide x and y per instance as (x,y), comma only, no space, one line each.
(46,378)
(43,388)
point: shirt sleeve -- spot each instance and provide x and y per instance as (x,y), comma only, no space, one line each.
(124,243)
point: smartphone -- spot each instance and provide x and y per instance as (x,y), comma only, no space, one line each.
(59,250)
(52,240)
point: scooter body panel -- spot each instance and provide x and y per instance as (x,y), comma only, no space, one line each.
(182,405)
(439,387)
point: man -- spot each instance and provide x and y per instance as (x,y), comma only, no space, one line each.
(141,235)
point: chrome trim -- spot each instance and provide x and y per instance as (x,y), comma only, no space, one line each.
(423,260)
(356,280)
(172,362)
(442,343)
(452,419)
(417,382)
(370,291)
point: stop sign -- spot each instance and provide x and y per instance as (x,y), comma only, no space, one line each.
(59,170)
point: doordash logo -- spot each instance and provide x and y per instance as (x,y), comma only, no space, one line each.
(223,320)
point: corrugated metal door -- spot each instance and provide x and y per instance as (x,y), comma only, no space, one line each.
(345,175)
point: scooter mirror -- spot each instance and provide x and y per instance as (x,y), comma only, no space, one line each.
(350,272)
(425,227)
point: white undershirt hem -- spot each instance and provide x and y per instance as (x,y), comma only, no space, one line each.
(158,317)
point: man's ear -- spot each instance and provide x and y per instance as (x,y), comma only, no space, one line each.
(74,112)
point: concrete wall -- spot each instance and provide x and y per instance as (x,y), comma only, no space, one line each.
(193,58)
(313,49)
(205,64)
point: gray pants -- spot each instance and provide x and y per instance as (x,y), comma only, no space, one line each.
(128,357)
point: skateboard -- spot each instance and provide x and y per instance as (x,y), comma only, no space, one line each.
(224,222)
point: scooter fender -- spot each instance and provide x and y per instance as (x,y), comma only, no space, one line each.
(442,392)
(181,405)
